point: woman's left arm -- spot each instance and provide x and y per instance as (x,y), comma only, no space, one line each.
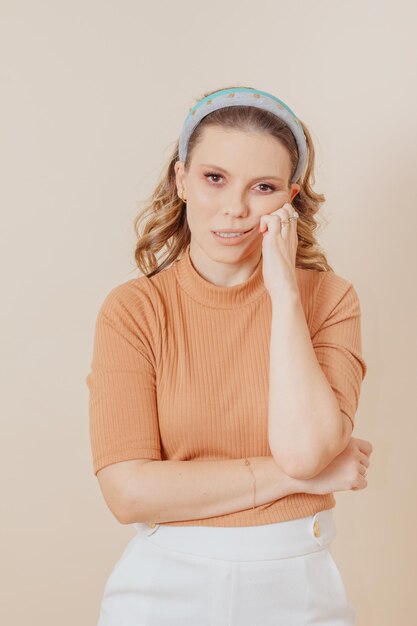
(314,381)
(307,429)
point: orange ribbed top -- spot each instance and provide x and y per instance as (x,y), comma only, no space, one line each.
(180,371)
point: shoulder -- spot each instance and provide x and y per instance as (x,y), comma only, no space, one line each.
(139,299)
(318,279)
(125,298)
(142,289)
(327,295)
(128,316)
(324,286)
(337,292)
(134,304)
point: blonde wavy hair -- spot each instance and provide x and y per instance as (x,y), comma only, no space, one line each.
(162,223)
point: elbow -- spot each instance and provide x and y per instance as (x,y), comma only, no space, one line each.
(305,466)
(124,519)
(121,509)
(295,467)
(123,515)
(123,491)
(130,512)
(295,464)
(301,470)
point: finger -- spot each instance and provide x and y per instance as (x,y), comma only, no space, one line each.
(287,230)
(365,446)
(289,225)
(271,224)
(285,211)
(284,227)
(361,484)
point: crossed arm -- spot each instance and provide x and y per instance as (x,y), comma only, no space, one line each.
(306,426)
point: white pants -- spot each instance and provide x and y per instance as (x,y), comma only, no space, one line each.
(280,574)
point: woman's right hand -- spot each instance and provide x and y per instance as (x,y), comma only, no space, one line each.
(345,472)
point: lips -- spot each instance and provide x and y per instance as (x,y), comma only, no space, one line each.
(230,230)
(232,241)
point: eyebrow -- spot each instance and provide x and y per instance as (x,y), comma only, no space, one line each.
(221,169)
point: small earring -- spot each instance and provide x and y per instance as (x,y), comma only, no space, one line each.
(183,198)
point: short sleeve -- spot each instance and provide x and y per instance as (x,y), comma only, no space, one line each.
(337,340)
(123,413)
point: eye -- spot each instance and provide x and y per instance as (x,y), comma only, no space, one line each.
(209,175)
(266,185)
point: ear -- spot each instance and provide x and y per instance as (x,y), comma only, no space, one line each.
(179,177)
(294,189)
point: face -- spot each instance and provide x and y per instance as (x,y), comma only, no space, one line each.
(234,178)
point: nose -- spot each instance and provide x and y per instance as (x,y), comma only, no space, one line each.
(237,208)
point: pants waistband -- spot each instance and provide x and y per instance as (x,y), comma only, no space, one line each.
(266,541)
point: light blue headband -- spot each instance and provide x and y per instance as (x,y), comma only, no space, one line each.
(247,97)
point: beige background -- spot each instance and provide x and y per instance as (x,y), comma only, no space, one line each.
(93,97)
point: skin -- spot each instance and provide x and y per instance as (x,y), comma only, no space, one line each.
(232,200)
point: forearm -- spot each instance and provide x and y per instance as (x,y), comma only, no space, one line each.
(305,426)
(163,491)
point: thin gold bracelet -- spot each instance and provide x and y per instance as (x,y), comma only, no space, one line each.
(247,462)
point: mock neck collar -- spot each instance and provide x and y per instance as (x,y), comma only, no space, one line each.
(217,296)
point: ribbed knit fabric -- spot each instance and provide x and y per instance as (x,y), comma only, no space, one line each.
(180,371)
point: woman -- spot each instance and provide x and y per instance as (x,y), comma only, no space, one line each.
(224,384)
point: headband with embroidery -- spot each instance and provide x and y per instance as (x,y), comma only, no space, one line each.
(245,96)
